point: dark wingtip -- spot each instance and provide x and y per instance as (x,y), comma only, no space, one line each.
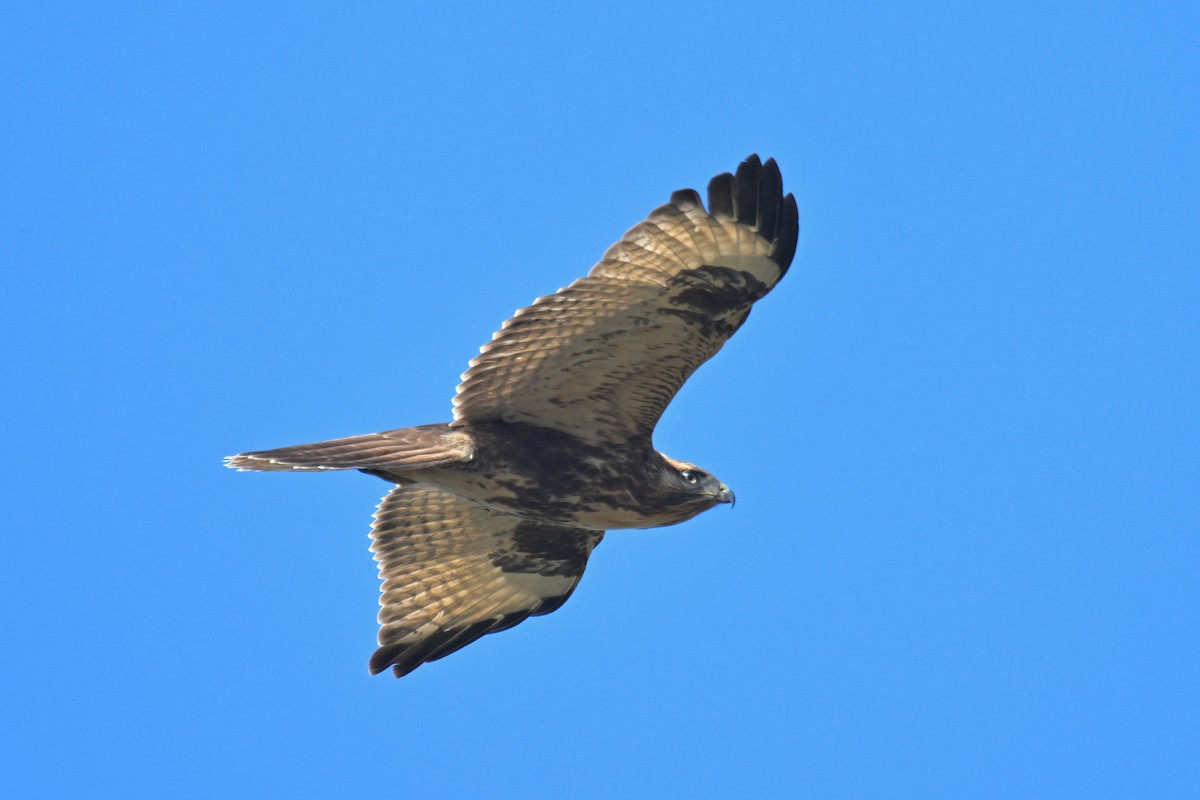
(400,671)
(406,657)
(787,234)
(745,190)
(770,193)
(685,197)
(383,658)
(402,658)
(754,197)
(720,195)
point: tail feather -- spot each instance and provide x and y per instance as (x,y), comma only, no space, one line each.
(397,450)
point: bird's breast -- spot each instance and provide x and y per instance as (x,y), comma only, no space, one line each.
(549,476)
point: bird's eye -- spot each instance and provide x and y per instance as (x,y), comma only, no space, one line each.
(691,477)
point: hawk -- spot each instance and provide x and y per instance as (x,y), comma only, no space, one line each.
(493,516)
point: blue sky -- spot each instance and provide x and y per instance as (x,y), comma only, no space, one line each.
(963,431)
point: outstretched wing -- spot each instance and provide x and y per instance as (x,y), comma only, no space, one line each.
(453,571)
(602,358)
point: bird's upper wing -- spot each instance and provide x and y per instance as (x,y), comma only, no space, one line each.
(602,358)
(453,571)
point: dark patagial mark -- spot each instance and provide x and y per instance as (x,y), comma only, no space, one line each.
(715,291)
(544,550)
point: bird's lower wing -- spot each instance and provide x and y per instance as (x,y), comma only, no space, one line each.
(453,571)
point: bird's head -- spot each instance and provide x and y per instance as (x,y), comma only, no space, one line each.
(689,490)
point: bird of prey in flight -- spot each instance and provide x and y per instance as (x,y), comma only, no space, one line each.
(493,516)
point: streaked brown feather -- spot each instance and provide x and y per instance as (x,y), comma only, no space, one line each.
(453,571)
(602,358)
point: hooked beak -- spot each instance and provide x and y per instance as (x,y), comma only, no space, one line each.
(726,496)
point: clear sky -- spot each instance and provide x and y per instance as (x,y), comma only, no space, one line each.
(963,431)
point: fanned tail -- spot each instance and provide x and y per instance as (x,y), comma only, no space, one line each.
(398,450)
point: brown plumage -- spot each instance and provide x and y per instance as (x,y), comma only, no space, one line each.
(494,515)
